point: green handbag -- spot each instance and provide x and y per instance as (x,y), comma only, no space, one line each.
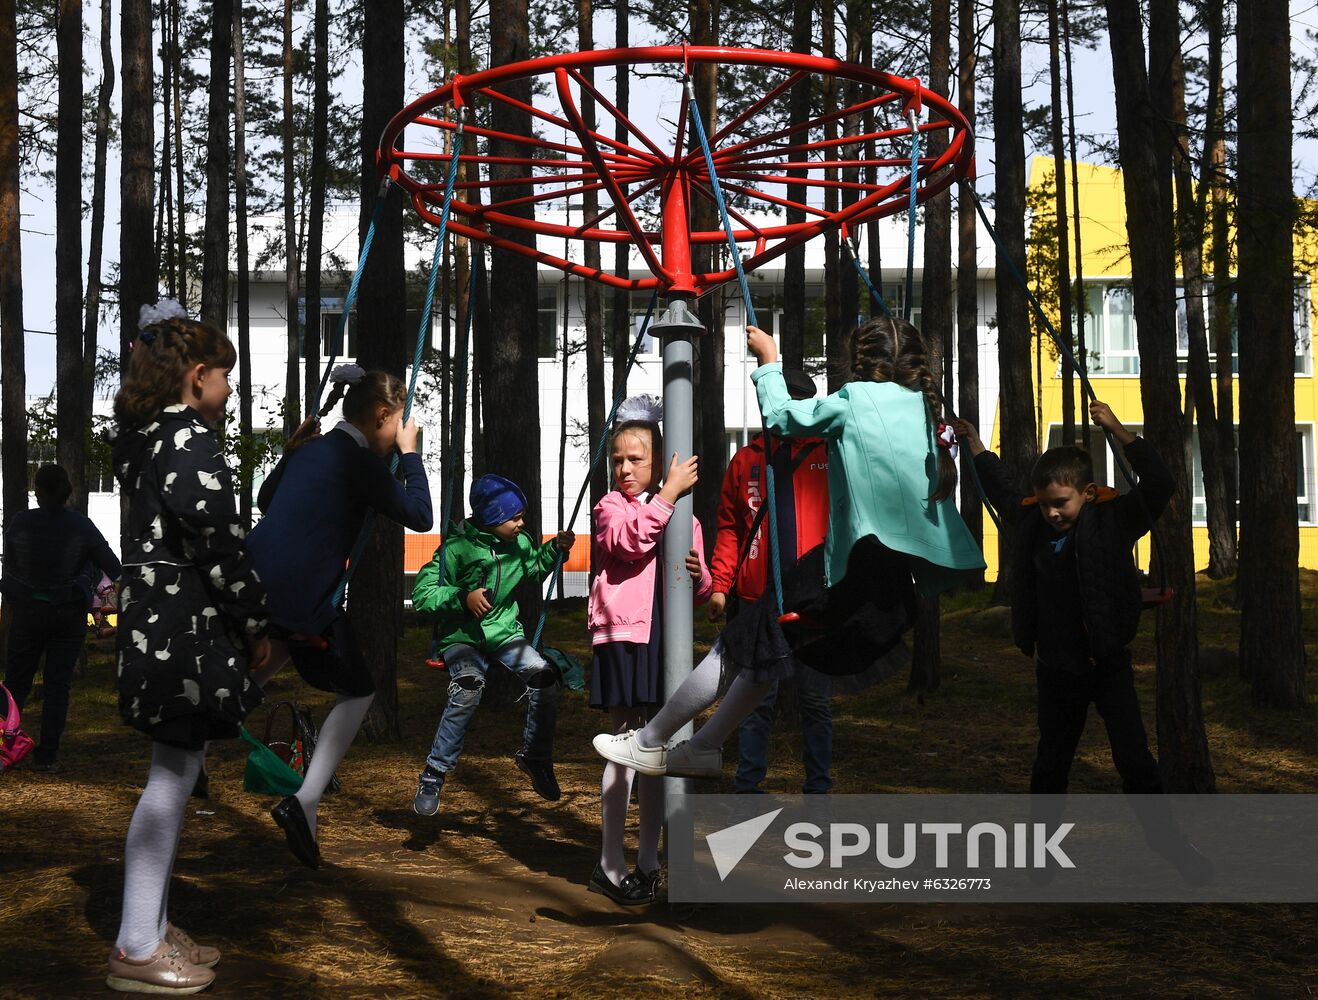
(571,674)
(266,774)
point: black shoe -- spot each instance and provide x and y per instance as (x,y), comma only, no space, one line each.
(632,892)
(202,789)
(541,773)
(428,787)
(648,879)
(293,821)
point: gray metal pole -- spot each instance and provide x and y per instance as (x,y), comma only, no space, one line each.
(678,327)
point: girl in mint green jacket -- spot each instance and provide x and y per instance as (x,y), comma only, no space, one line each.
(893,529)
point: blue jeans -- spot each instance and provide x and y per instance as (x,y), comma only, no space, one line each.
(816,742)
(466,667)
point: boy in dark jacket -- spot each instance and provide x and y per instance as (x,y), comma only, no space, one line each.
(1076,595)
(471,595)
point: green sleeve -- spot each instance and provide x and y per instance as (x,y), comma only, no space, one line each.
(542,560)
(429,595)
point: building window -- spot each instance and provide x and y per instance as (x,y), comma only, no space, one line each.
(768,302)
(549,321)
(638,304)
(331,341)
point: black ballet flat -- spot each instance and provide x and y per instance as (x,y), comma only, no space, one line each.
(293,821)
(632,892)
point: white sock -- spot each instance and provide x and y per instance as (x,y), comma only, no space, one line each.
(742,698)
(693,696)
(153,835)
(336,735)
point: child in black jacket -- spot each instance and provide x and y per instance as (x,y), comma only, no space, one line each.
(1076,595)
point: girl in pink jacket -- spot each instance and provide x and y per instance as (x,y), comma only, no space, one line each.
(627,668)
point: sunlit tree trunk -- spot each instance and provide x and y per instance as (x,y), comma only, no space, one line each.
(70,419)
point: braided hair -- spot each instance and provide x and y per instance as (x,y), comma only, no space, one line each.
(165,349)
(362,391)
(886,349)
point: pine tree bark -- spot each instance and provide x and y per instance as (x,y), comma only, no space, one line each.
(71,421)
(92,308)
(1145,147)
(316,224)
(936,316)
(620,331)
(1060,171)
(592,291)
(293,370)
(181,232)
(244,300)
(791,337)
(13,404)
(215,235)
(1271,638)
(1019,445)
(967,282)
(836,331)
(1081,353)
(138,264)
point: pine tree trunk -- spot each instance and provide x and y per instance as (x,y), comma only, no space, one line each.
(791,337)
(967,283)
(293,370)
(71,421)
(621,332)
(316,224)
(375,597)
(1086,430)
(92,308)
(215,236)
(13,405)
(509,370)
(592,291)
(1060,171)
(244,303)
(936,315)
(181,233)
(1190,237)
(1019,446)
(1271,639)
(139,273)
(836,331)
(1145,145)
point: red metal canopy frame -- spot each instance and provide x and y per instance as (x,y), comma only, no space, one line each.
(749,163)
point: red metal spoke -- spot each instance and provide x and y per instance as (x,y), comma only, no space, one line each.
(775,200)
(587,139)
(812,123)
(755,109)
(609,106)
(640,192)
(822,164)
(565,124)
(707,193)
(814,182)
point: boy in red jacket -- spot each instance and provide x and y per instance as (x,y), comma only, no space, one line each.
(741,566)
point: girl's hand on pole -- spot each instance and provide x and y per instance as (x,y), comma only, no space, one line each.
(407,435)
(681,477)
(693,564)
(761,345)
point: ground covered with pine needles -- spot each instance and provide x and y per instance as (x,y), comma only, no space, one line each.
(489,897)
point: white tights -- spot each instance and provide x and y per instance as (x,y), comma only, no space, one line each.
(615,797)
(336,736)
(697,693)
(153,836)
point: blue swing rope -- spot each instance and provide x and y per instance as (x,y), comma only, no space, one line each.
(913,184)
(774,556)
(422,333)
(1064,349)
(594,461)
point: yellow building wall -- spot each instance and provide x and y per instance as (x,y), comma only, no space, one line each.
(1106,257)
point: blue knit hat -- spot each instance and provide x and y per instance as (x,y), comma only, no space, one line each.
(495,500)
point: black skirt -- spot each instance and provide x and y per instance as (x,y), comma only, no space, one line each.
(629,674)
(849,636)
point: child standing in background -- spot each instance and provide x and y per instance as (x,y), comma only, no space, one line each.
(626,674)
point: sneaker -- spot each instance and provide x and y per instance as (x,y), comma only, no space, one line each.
(622,748)
(541,773)
(165,970)
(198,954)
(632,891)
(686,761)
(428,787)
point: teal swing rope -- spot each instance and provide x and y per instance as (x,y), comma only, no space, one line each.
(775,558)
(422,333)
(594,461)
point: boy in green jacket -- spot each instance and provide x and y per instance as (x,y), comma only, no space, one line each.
(471,595)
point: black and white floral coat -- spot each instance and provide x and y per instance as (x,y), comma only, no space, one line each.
(191,601)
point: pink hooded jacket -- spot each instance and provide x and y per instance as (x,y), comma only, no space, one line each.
(628,533)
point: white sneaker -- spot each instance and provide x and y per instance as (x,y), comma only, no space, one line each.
(686,761)
(622,748)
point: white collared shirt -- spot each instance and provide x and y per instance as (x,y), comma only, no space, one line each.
(353,431)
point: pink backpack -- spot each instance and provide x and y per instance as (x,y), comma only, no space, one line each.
(15,744)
